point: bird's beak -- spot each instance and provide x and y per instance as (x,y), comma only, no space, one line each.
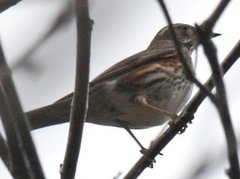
(215,35)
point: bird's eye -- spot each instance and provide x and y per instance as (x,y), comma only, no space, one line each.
(185,28)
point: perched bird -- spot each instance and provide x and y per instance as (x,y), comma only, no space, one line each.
(142,91)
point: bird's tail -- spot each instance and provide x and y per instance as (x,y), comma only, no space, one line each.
(55,113)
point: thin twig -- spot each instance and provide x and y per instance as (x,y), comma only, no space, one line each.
(221,104)
(186,117)
(17,119)
(208,24)
(189,73)
(18,167)
(79,108)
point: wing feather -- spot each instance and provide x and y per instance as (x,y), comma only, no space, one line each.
(130,63)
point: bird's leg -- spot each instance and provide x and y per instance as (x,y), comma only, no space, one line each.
(143,149)
(124,125)
(142,100)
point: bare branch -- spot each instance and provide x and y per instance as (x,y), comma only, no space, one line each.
(221,104)
(4,153)
(5,4)
(208,24)
(79,108)
(18,167)
(15,122)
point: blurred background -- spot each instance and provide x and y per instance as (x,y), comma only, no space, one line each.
(44,69)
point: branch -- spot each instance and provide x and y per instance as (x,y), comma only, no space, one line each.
(18,167)
(208,24)
(5,4)
(221,105)
(4,153)
(14,122)
(186,117)
(79,108)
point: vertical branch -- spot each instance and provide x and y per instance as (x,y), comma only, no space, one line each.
(79,108)
(15,122)
(221,104)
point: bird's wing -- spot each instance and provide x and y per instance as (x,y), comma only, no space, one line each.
(141,58)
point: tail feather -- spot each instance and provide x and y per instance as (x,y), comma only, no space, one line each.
(56,113)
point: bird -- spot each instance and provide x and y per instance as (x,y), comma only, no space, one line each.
(142,91)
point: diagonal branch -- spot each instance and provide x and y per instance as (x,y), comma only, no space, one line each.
(79,108)
(14,156)
(4,153)
(208,24)
(15,122)
(221,104)
(186,117)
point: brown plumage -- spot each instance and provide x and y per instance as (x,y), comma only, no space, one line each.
(142,91)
